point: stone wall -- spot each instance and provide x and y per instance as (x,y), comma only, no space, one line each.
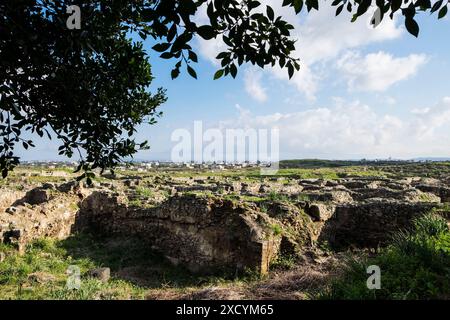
(23,219)
(203,234)
(372,223)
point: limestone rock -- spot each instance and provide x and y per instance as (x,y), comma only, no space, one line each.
(41,277)
(102,274)
(320,211)
(38,195)
(11,210)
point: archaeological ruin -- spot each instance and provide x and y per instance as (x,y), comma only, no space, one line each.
(210,223)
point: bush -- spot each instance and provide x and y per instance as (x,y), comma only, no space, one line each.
(415,266)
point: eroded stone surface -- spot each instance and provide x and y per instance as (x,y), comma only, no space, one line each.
(201,233)
(27,222)
(371,223)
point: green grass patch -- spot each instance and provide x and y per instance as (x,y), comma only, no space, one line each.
(415,266)
(284,262)
(275,196)
(134,270)
(144,192)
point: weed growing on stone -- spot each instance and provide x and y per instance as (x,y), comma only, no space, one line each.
(144,192)
(275,196)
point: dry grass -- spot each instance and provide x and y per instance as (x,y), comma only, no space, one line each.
(302,282)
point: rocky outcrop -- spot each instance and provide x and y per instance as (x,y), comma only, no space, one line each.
(320,211)
(38,195)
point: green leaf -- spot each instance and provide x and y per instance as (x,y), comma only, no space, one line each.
(270,13)
(298,6)
(395,5)
(218,74)
(436,6)
(412,26)
(363,7)
(442,12)
(161,47)
(206,32)
(166,55)
(191,72)
(233,70)
(175,73)
(253,4)
(193,56)
(290,70)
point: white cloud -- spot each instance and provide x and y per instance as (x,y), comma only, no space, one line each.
(377,71)
(321,39)
(323,36)
(252,81)
(211,48)
(390,100)
(356,130)
(305,80)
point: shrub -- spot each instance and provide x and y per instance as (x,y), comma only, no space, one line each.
(275,196)
(414,266)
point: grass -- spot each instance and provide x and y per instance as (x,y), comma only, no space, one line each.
(275,196)
(276,229)
(246,198)
(135,203)
(199,193)
(254,174)
(284,262)
(53,258)
(415,266)
(303,197)
(426,197)
(135,270)
(144,192)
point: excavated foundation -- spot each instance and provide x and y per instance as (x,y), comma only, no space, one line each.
(203,234)
(211,232)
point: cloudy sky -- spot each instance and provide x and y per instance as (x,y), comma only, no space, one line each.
(361,92)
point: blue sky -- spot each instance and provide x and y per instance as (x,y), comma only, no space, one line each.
(361,93)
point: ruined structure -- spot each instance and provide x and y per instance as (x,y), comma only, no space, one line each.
(203,234)
(210,223)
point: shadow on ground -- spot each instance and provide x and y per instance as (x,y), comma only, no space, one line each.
(130,260)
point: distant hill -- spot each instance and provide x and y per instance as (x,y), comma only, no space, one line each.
(432,159)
